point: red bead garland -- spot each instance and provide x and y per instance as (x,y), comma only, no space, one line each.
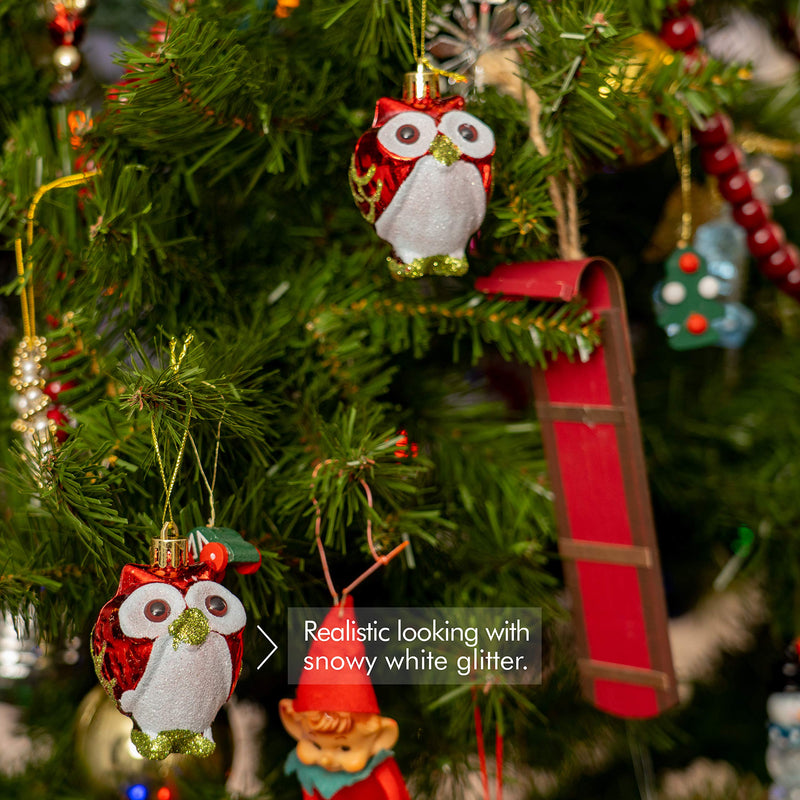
(682,33)
(718,130)
(751,214)
(766,239)
(736,187)
(680,8)
(779,264)
(722,159)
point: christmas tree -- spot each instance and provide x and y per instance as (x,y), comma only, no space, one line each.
(233,310)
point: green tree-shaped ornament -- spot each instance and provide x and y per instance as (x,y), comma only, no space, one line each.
(687,301)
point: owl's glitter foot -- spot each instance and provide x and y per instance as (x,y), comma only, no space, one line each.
(429,265)
(175,741)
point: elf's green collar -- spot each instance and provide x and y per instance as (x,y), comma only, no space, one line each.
(313,777)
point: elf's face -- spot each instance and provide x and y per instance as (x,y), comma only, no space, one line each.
(338,751)
(337,741)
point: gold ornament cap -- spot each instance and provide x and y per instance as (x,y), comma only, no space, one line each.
(169,549)
(421,85)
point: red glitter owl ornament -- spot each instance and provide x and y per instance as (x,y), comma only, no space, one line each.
(168,650)
(422,175)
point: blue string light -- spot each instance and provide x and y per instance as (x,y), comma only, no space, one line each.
(138,791)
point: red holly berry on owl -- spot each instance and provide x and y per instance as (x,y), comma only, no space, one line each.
(168,650)
(423,175)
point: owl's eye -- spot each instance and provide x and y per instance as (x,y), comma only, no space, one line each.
(407,134)
(157,610)
(468,132)
(216,605)
(472,137)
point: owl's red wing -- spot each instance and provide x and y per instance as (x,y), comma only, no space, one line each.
(236,648)
(375,176)
(119,660)
(484,166)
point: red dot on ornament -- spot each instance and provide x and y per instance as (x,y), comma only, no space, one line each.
(164,793)
(696,324)
(689,262)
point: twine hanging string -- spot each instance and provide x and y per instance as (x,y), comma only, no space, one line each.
(25,270)
(561,188)
(175,363)
(419,52)
(317,528)
(380,560)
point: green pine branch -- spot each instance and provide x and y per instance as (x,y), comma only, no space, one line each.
(529,335)
(599,95)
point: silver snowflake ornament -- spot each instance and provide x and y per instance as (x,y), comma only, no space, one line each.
(465,30)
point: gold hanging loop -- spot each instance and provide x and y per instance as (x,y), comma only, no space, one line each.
(683,162)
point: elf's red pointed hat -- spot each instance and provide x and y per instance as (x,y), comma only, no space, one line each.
(348,689)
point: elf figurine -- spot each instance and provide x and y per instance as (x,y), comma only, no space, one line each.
(343,743)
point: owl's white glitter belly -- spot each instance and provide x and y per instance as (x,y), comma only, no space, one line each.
(435,211)
(181,689)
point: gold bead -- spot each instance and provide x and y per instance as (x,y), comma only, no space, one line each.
(67,57)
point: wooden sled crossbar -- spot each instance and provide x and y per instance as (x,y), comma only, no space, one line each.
(596,670)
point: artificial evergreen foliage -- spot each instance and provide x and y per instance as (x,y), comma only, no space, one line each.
(221,222)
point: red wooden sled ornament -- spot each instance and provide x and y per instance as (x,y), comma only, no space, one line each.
(590,430)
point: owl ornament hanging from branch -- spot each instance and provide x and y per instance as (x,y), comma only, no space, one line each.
(168,649)
(422,175)
(168,646)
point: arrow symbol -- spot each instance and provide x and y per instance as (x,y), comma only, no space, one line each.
(271,652)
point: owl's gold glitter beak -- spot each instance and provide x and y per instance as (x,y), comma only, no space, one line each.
(191,627)
(444,151)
